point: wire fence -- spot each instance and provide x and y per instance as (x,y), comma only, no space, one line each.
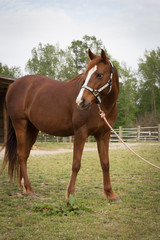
(137,134)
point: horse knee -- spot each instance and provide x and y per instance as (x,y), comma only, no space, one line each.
(76,167)
(105,166)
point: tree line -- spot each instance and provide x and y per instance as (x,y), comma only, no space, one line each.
(139,98)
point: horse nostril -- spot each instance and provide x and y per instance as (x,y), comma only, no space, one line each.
(82,101)
(82,104)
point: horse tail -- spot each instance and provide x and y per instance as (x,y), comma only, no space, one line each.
(10,156)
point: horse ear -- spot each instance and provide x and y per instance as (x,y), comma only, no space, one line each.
(103,55)
(91,55)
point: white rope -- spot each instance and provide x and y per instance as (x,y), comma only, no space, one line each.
(102,114)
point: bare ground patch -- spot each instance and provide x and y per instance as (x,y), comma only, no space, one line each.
(113,146)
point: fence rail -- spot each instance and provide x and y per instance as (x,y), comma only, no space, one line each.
(138,134)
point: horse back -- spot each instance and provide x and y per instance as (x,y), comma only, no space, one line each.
(21,90)
(46,103)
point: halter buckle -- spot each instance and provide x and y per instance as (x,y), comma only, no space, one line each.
(95,92)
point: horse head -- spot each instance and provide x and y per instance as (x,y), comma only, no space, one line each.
(98,81)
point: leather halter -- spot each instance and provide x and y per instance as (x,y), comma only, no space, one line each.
(96,92)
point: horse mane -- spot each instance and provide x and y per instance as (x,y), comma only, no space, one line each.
(76,78)
(90,65)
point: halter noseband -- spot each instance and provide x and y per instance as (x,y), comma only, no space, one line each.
(96,92)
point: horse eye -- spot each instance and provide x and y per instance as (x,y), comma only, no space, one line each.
(99,75)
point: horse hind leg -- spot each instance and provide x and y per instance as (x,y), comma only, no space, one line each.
(26,136)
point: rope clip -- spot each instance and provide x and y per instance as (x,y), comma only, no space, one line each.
(101,113)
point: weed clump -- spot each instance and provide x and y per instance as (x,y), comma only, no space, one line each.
(73,208)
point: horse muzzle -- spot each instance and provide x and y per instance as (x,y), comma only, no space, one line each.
(82,104)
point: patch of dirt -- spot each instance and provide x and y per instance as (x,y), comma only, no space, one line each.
(113,146)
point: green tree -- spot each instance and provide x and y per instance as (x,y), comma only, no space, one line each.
(46,60)
(78,53)
(149,89)
(127,101)
(14,72)
(62,65)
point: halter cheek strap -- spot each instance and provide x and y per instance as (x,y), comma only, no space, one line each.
(96,92)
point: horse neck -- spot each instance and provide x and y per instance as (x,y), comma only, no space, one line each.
(111,99)
(77,81)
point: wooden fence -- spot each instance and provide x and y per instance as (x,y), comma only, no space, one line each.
(137,134)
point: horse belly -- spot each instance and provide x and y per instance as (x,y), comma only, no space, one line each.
(52,121)
(56,129)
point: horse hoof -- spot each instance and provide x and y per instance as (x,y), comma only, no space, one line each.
(30,194)
(115,200)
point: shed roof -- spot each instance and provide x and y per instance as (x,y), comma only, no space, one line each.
(6,81)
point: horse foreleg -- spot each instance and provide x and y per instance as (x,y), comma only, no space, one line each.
(103,146)
(79,142)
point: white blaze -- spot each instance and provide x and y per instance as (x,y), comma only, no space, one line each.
(91,71)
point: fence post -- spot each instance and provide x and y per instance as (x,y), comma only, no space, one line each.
(120,132)
(158,132)
(138,133)
(70,139)
(89,139)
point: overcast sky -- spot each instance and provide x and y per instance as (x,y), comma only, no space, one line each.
(126,27)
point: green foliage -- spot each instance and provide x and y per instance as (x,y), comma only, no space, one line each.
(139,95)
(14,72)
(46,60)
(62,65)
(127,106)
(72,209)
(149,89)
(79,49)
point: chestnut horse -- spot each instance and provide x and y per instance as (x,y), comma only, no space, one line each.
(38,103)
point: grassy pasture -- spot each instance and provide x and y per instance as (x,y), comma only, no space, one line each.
(137,184)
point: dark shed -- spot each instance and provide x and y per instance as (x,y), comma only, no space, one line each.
(4,83)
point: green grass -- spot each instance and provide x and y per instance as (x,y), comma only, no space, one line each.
(55,146)
(45,216)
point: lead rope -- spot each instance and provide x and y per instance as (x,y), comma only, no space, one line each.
(102,114)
